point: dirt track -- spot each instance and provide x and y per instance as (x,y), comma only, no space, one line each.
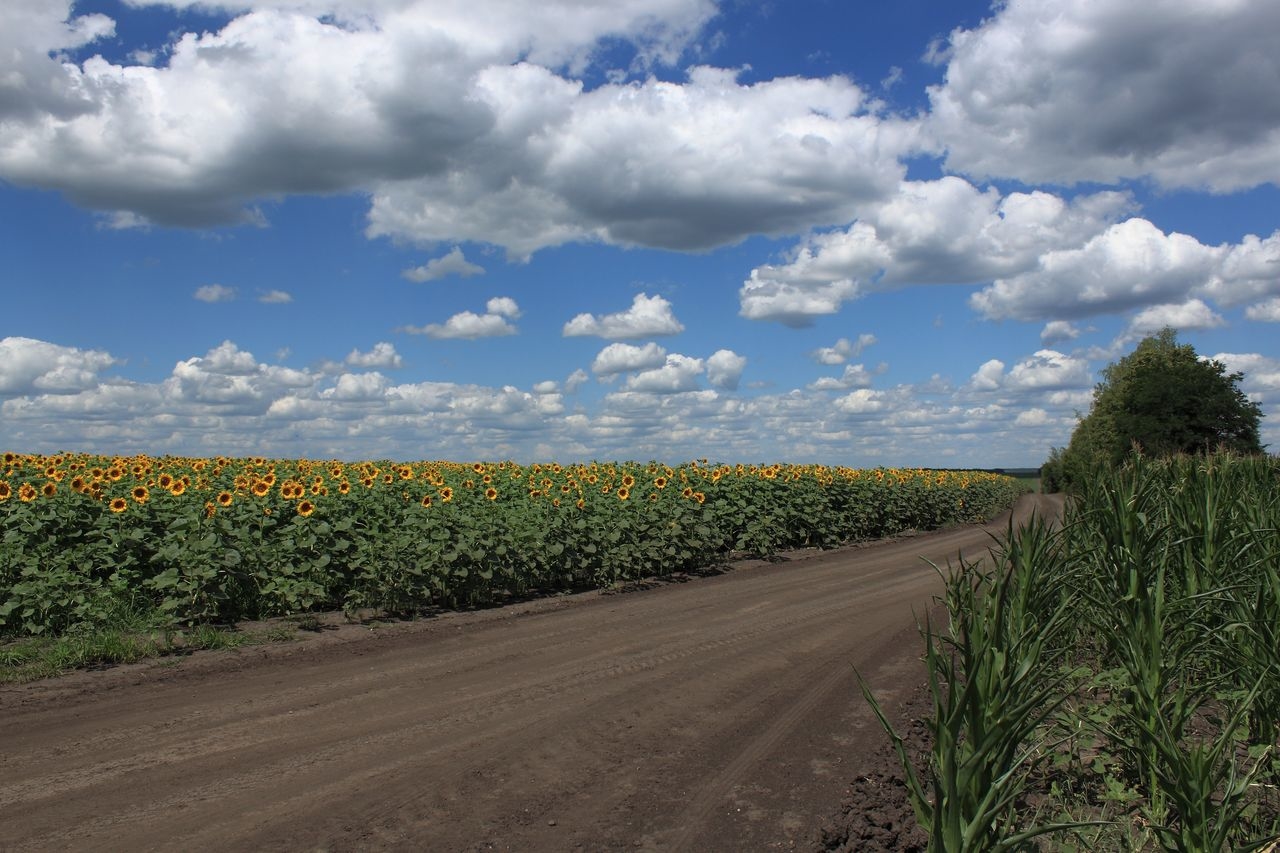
(719,714)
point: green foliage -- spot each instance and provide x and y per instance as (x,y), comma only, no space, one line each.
(1121,669)
(1161,400)
(217,541)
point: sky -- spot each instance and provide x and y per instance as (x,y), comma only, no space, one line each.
(818,231)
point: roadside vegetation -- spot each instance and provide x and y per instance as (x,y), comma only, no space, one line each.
(107,558)
(1112,682)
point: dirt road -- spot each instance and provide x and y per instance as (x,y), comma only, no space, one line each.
(718,714)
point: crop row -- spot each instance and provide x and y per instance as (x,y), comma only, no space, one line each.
(223,539)
(1115,681)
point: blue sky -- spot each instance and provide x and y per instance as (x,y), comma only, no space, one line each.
(853,233)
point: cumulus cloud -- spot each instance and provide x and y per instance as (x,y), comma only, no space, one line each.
(468,325)
(1190,315)
(945,231)
(621,358)
(724,369)
(1058,331)
(226,401)
(382,355)
(275,297)
(1265,312)
(1045,370)
(854,376)
(505,147)
(29,366)
(1261,373)
(648,316)
(1185,93)
(843,350)
(1130,265)
(678,373)
(454,263)
(215,293)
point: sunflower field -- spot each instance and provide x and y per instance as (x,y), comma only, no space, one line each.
(219,540)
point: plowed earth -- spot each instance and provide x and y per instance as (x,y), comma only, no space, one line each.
(718,714)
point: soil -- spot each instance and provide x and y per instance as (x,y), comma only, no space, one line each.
(719,714)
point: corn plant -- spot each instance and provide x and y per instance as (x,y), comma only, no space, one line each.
(995,677)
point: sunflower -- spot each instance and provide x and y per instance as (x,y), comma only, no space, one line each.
(344,487)
(687,493)
(224,498)
(261,488)
(491,493)
(5,491)
(660,483)
(49,489)
(141,494)
(305,508)
(426,500)
(446,494)
(119,505)
(628,481)
(623,493)
(27,493)
(165,481)
(478,467)
(178,487)
(699,497)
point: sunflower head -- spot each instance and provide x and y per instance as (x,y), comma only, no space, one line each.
(141,494)
(305,508)
(118,505)
(224,499)
(491,493)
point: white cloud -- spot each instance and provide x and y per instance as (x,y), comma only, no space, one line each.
(1048,369)
(1094,90)
(215,293)
(1190,315)
(383,355)
(275,297)
(29,366)
(469,325)
(503,306)
(648,316)
(724,369)
(621,358)
(227,402)
(454,263)
(1032,418)
(1265,312)
(854,376)
(843,350)
(506,146)
(989,377)
(861,402)
(1058,331)
(1261,373)
(679,373)
(1130,265)
(928,232)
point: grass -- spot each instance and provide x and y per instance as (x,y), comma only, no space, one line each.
(129,641)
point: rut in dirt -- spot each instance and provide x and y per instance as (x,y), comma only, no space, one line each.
(719,714)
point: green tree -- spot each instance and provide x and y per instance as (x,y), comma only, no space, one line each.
(1162,399)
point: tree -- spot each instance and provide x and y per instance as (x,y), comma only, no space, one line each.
(1162,399)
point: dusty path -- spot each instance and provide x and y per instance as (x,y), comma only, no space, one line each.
(720,714)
